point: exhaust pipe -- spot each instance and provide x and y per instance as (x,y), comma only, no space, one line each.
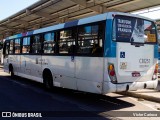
(145,85)
(127,87)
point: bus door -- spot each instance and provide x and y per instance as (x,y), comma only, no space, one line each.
(5,53)
(17,56)
(136,39)
(25,57)
(25,64)
(36,65)
(36,57)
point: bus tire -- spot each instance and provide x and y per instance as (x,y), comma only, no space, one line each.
(48,79)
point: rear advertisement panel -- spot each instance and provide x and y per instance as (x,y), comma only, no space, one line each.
(131,29)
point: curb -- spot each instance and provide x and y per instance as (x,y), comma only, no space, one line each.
(146,97)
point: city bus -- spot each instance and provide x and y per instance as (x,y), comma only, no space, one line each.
(110,52)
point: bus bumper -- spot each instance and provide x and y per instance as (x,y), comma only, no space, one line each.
(110,87)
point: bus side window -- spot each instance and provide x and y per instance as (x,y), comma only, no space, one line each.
(17,46)
(90,39)
(11,48)
(6,48)
(67,39)
(49,43)
(36,44)
(26,45)
(96,49)
(73,49)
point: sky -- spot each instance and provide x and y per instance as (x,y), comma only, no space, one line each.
(152,13)
(10,7)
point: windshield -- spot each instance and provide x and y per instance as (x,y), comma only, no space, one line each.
(134,30)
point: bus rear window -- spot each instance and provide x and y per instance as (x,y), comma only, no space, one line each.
(134,30)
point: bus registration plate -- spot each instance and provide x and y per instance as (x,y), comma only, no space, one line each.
(136,74)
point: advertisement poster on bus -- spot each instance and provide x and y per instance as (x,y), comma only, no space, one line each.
(129,29)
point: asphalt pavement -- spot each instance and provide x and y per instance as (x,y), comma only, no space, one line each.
(20,99)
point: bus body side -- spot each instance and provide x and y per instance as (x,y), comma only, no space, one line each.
(83,72)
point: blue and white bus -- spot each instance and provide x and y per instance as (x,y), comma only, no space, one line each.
(110,52)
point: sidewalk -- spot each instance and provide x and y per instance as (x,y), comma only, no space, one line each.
(1,66)
(2,73)
(147,94)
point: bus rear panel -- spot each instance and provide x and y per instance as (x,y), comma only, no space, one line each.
(132,58)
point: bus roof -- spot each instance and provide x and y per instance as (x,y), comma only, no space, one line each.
(82,21)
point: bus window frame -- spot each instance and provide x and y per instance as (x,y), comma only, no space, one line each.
(20,46)
(58,39)
(55,39)
(31,44)
(13,51)
(103,38)
(4,49)
(29,53)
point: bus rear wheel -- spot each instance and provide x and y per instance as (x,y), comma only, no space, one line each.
(48,80)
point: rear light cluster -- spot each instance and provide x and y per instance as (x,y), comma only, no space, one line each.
(156,69)
(155,72)
(112,73)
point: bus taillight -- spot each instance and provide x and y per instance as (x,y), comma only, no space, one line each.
(156,69)
(112,73)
